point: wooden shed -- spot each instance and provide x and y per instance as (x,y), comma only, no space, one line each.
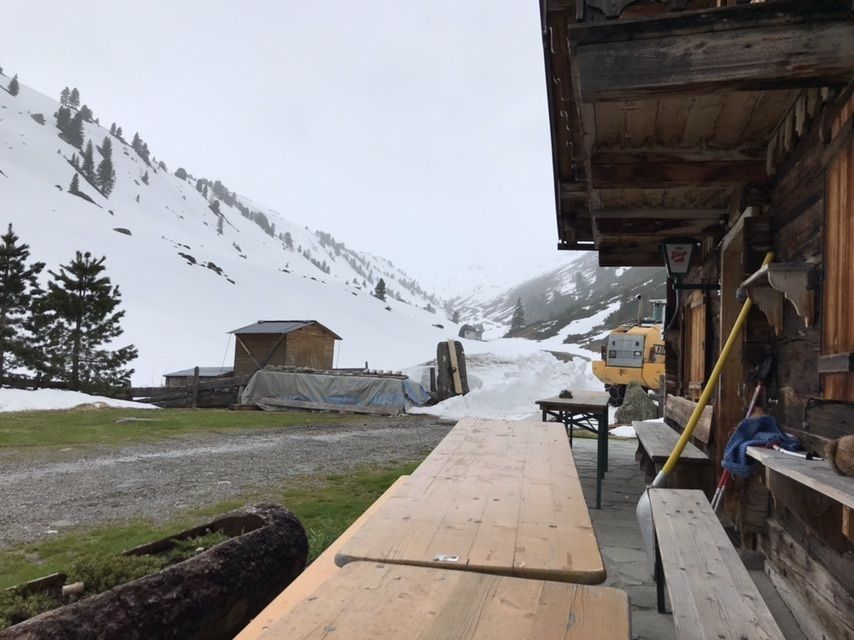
(186,376)
(284,343)
(730,126)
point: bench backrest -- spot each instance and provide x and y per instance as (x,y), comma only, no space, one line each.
(679,410)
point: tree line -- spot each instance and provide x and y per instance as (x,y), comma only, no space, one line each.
(60,333)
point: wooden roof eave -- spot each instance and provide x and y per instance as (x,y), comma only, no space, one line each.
(757,47)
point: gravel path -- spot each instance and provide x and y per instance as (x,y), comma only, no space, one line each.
(50,491)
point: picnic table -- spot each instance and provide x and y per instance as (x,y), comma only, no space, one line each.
(584,410)
(495,496)
(369,601)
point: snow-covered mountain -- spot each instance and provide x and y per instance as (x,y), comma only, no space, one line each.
(578,301)
(186,278)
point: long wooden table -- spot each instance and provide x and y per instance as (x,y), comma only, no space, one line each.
(582,410)
(495,496)
(369,601)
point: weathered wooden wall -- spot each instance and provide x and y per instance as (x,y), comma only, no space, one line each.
(311,346)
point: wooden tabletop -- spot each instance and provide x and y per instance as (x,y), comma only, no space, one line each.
(369,601)
(494,496)
(579,400)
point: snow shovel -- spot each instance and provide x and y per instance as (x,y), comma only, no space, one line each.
(763,374)
(643,512)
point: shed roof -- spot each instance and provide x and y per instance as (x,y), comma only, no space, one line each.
(204,372)
(281,326)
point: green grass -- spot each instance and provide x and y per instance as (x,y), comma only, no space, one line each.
(98,426)
(326,506)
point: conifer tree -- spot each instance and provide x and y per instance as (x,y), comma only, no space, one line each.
(105,176)
(86,113)
(63,97)
(63,119)
(214,206)
(113,129)
(74,98)
(181,173)
(74,134)
(74,187)
(119,133)
(88,167)
(517,322)
(80,316)
(219,225)
(455,317)
(379,290)
(18,288)
(14,87)
(145,177)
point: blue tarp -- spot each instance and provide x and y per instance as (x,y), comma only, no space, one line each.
(761,431)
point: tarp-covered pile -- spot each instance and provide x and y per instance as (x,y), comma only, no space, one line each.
(391,395)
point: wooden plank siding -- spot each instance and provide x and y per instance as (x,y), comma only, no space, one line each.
(695,345)
(310,346)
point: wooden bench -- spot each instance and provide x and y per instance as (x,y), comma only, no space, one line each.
(711,593)
(316,573)
(656,440)
(371,601)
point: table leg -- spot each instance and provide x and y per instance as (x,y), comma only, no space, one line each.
(569,426)
(603,424)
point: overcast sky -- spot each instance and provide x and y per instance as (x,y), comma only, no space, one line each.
(416,130)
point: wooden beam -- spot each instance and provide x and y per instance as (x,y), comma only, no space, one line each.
(659,228)
(799,54)
(661,174)
(660,214)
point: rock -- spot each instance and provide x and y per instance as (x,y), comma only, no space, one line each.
(637,405)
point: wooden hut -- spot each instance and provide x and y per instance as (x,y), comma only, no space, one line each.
(284,343)
(730,126)
(187,376)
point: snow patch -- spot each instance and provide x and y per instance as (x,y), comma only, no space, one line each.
(50,399)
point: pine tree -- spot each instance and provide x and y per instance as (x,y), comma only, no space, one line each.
(63,97)
(145,177)
(80,319)
(200,185)
(455,318)
(113,129)
(105,177)
(74,187)
(219,225)
(86,113)
(74,98)
(379,290)
(74,134)
(63,119)
(14,87)
(214,206)
(517,323)
(88,167)
(18,288)
(119,133)
(181,173)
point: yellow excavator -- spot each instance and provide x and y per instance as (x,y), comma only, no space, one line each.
(633,353)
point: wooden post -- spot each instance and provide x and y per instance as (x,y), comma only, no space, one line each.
(196,388)
(662,395)
(432,378)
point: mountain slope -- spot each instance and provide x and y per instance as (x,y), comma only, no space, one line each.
(184,285)
(578,302)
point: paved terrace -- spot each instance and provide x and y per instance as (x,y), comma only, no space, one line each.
(622,547)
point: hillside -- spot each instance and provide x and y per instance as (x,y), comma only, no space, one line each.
(576,303)
(188,275)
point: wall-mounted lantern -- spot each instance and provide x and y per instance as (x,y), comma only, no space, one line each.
(678,253)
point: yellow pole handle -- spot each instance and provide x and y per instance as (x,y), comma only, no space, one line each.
(709,388)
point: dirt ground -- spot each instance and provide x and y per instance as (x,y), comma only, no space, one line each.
(43,492)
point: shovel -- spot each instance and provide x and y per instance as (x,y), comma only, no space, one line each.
(643,512)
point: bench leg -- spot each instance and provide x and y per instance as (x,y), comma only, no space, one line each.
(659,579)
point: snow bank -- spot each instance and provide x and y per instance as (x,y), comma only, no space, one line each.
(506,386)
(46,399)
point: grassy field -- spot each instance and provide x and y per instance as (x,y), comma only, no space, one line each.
(87,426)
(325,505)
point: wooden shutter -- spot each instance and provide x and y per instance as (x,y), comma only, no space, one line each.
(838,326)
(695,345)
